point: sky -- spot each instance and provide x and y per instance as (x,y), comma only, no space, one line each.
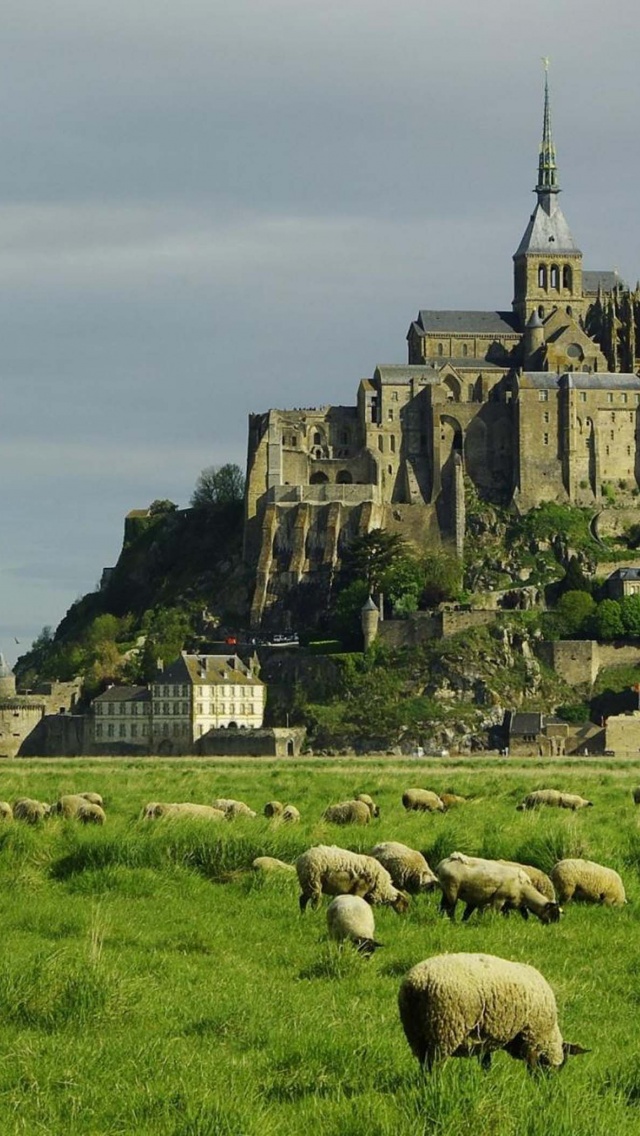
(210,209)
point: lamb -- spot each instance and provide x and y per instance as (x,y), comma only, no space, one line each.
(488,883)
(290,815)
(273,809)
(539,879)
(6,812)
(469,1005)
(408,869)
(555,799)
(587,881)
(157,809)
(348,812)
(369,801)
(636,796)
(89,813)
(270,864)
(336,871)
(422,800)
(350,920)
(93,798)
(231,808)
(30,810)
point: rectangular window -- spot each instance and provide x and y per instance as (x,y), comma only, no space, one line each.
(394,396)
(199,708)
(112,708)
(545,439)
(134,730)
(583,396)
(185,692)
(609,397)
(185,707)
(111,730)
(545,416)
(134,707)
(99,729)
(144,729)
(623,398)
(176,708)
(165,708)
(123,730)
(390,414)
(543,396)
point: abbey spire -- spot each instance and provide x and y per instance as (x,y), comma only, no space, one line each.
(547,167)
(547,262)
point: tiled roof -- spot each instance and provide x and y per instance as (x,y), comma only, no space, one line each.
(547,233)
(591,281)
(208,669)
(467,322)
(625,574)
(124,694)
(526,723)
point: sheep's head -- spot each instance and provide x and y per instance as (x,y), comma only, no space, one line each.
(570,1049)
(551,913)
(401,903)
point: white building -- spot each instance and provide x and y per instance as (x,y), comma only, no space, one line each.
(198,693)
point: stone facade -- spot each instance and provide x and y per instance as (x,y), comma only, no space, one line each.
(540,403)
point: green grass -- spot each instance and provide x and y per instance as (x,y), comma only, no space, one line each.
(151,984)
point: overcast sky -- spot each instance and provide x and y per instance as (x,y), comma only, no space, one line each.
(211,208)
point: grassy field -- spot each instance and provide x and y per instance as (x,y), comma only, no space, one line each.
(152,985)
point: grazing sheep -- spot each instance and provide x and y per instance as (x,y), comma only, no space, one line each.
(555,799)
(422,800)
(450,800)
(273,809)
(350,920)
(290,814)
(88,813)
(488,883)
(348,812)
(93,798)
(68,806)
(468,1005)
(157,809)
(408,869)
(6,812)
(587,881)
(636,796)
(270,864)
(369,801)
(336,871)
(539,879)
(29,810)
(232,808)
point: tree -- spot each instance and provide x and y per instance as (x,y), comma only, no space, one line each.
(607,620)
(442,578)
(573,611)
(574,579)
(372,555)
(345,619)
(218,485)
(630,612)
(160,506)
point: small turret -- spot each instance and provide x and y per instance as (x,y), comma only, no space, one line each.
(533,338)
(369,619)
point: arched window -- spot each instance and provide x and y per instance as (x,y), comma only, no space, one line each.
(381,443)
(569,310)
(318,478)
(554,277)
(317,439)
(567,277)
(344,477)
(542,276)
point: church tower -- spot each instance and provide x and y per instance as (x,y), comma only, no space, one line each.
(548,263)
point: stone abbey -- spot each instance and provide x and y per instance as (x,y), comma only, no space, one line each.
(534,404)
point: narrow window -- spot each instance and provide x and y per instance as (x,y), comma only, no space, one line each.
(554,277)
(465,350)
(381,443)
(609,397)
(623,397)
(390,414)
(390,468)
(392,443)
(583,396)
(543,396)
(545,439)
(566,279)
(440,349)
(545,416)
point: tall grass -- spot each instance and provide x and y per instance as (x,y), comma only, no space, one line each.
(151,983)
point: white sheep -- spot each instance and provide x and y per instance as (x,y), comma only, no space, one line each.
(348,812)
(539,879)
(422,800)
(369,801)
(93,798)
(587,881)
(231,808)
(290,815)
(273,809)
(157,809)
(350,920)
(30,810)
(555,799)
(450,800)
(336,871)
(6,812)
(68,806)
(269,864)
(89,813)
(487,883)
(469,1005)
(408,868)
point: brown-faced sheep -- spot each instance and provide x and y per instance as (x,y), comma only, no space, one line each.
(469,1005)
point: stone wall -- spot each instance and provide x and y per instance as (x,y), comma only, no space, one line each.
(58,735)
(18,718)
(577,661)
(623,733)
(276,742)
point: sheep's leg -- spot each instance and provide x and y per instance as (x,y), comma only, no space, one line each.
(524,911)
(448,907)
(303,901)
(485,1060)
(468,911)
